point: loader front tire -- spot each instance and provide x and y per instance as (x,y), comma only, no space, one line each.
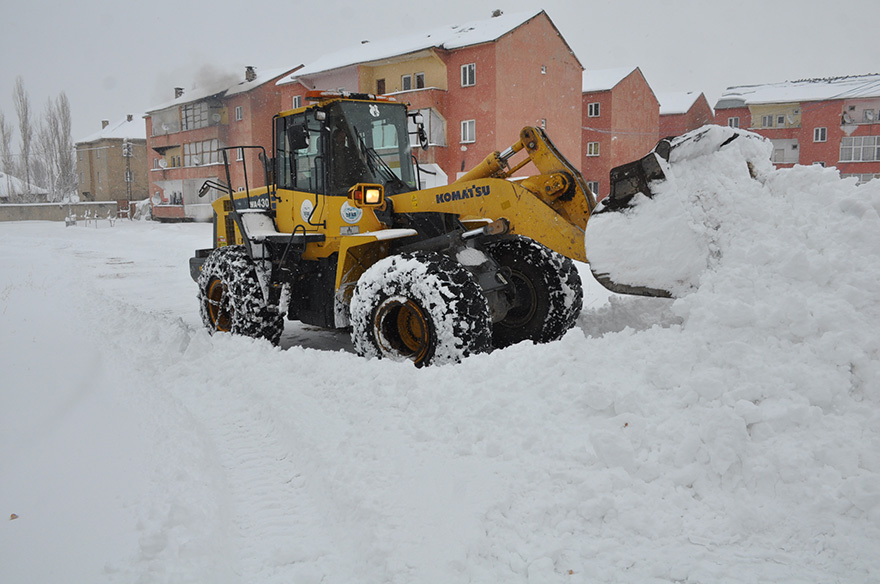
(546,294)
(232,300)
(423,307)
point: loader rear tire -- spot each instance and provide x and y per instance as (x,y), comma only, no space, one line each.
(423,307)
(231,298)
(546,295)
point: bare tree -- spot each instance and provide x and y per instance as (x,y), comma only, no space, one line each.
(66,159)
(7,161)
(25,129)
(54,164)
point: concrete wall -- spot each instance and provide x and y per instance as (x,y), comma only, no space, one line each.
(56,211)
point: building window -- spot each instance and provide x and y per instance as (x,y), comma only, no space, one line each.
(239,153)
(194,116)
(128,176)
(822,164)
(593,110)
(380,86)
(238,114)
(297,101)
(733,122)
(543,123)
(593,185)
(468,75)
(199,153)
(766,121)
(593,149)
(543,69)
(820,134)
(468,131)
(420,80)
(98,153)
(155,163)
(780,121)
(406,82)
(99,177)
(860,149)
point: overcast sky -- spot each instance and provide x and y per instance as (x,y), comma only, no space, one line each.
(112,58)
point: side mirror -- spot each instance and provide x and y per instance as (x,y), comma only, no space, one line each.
(298,137)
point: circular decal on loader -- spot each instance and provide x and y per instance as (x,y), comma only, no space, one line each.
(306,209)
(350,215)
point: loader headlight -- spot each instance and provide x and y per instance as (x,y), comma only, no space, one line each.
(367,195)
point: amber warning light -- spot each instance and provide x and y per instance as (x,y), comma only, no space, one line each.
(367,195)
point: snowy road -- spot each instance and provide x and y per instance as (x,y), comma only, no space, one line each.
(706,440)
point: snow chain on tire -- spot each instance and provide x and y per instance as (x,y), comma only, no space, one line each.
(548,292)
(231,298)
(424,307)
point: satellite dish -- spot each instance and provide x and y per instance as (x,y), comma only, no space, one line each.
(847,119)
(157,200)
(163,163)
(196,160)
(216,117)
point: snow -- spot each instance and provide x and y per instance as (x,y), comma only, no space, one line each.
(731,435)
(604,79)
(11,186)
(853,87)
(677,102)
(443,37)
(124,129)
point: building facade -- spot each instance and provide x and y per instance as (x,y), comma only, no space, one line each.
(681,112)
(112,163)
(186,138)
(829,122)
(620,123)
(477,85)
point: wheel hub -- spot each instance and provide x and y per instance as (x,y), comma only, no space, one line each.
(401,328)
(218,306)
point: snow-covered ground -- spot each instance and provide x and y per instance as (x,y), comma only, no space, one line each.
(732,435)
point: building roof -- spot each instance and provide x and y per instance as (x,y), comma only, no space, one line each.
(605,79)
(135,129)
(444,37)
(850,87)
(677,102)
(224,87)
(10,185)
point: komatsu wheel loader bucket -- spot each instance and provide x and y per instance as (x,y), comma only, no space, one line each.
(653,235)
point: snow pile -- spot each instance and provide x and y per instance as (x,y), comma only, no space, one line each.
(729,436)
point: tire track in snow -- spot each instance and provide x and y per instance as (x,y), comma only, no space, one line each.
(269,488)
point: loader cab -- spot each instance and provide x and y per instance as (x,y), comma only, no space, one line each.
(328,147)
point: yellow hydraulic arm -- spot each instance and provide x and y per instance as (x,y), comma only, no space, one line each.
(551,207)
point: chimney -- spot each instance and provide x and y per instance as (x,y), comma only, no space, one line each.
(178,91)
(250,73)
(104,123)
(129,117)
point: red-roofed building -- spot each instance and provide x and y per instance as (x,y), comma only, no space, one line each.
(621,117)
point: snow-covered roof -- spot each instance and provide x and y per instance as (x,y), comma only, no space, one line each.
(124,129)
(677,102)
(605,79)
(10,185)
(226,87)
(856,86)
(444,37)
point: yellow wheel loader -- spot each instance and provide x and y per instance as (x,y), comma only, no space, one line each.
(343,237)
